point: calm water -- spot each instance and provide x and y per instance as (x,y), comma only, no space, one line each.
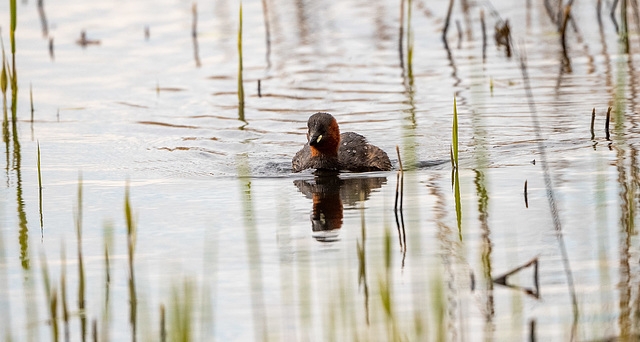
(236,247)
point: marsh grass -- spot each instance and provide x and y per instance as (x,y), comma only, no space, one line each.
(3,87)
(51,297)
(240,71)
(386,291)
(182,312)
(409,44)
(40,189)
(81,276)
(401,36)
(13,73)
(63,289)
(106,313)
(455,134)
(131,245)
(456,178)
(439,308)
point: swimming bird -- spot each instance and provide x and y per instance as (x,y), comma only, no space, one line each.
(327,149)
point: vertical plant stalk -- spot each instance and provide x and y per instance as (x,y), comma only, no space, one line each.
(259,88)
(240,80)
(163,331)
(593,121)
(409,45)
(194,34)
(31,100)
(526,197)
(51,297)
(401,36)
(455,133)
(455,169)
(563,37)
(14,74)
(3,86)
(402,237)
(40,190)
(131,245)
(362,260)
(63,291)
(484,36)
(43,19)
(606,124)
(624,27)
(81,279)
(106,313)
(446,24)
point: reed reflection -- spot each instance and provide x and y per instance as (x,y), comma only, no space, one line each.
(330,193)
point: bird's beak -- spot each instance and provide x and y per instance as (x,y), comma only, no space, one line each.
(315,139)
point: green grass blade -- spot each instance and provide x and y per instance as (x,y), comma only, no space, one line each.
(455,132)
(14,22)
(40,187)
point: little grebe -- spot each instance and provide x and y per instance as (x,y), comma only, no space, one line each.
(326,148)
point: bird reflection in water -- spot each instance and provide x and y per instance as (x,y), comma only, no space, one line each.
(330,193)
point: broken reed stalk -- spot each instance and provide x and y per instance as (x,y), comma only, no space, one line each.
(606,124)
(259,90)
(240,81)
(446,22)
(401,36)
(51,54)
(484,36)
(502,280)
(399,159)
(563,37)
(526,199)
(593,120)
